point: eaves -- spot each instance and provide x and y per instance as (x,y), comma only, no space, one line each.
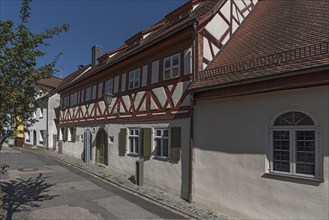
(260,79)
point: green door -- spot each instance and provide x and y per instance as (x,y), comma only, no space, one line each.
(101,147)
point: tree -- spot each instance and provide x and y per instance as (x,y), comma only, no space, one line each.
(19,51)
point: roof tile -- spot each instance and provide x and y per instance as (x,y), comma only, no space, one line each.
(281,35)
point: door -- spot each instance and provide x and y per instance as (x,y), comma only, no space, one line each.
(101,147)
(87,145)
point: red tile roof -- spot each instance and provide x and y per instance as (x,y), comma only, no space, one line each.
(278,36)
(70,79)
(160,29)
(52,82)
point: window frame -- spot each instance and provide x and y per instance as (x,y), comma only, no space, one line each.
(171,67)
(134,79)
(155,137)
(134,136)
(41,136)
(292,129)
(41,112)
(28,136)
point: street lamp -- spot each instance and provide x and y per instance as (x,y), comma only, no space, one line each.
(108,97)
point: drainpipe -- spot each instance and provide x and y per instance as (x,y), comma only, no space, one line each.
(47,127)
(190,188)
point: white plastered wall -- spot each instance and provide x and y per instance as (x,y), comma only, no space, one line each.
(166,175)
(230,157)
(53,103)
(162,174)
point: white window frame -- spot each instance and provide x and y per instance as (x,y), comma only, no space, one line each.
(161,138)
(41,141)
(171,66)
(28,136)
(136,149)
(40,112)
(69,134)
(292,145)
(134,79)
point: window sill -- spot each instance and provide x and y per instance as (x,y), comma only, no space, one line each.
(165,159)
(132,155)
(293,178)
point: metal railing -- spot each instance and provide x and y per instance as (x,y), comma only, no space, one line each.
(287,57)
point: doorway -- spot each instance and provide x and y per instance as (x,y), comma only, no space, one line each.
(87,142)
(101,147)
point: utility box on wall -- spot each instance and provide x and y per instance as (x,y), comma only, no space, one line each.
(140,172)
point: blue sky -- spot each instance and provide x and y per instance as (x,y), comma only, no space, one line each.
(107,23)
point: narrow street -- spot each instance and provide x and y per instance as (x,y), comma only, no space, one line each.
(37,187)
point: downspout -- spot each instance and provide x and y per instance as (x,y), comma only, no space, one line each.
(190,187)
(47,128)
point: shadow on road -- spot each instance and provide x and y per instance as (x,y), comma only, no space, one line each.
(21,195)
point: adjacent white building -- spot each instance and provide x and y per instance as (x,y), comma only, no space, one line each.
(261,117)
(43,133)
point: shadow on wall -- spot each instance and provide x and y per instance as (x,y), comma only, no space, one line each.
(21,195)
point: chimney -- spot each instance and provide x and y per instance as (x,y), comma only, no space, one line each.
(96,52)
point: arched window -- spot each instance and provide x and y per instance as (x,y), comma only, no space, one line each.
(294,145)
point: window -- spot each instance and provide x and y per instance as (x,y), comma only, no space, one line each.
(134,79)
(65,102)
(108,86)
(41,113)
(100,90)
(71,133)
(78,98)
(27,136)
(294,145)
(82,95)
(133,141)
(94,93)
(171,67)
(73,99)
(41,136)
(161,143)
(88,94)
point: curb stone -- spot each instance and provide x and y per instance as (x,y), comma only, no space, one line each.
(155,195)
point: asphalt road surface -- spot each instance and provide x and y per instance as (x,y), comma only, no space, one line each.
(37,187)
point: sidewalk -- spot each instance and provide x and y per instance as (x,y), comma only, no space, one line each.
(151,193)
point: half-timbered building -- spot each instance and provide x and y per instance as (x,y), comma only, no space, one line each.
(148,114)
(264,102)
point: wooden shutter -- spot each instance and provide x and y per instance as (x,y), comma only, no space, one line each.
(146,142)
(73,134)
(175,143)
(122,142)
(65,134)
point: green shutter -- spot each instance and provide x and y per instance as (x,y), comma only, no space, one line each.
(147,142)
(175,143)
(122,141)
